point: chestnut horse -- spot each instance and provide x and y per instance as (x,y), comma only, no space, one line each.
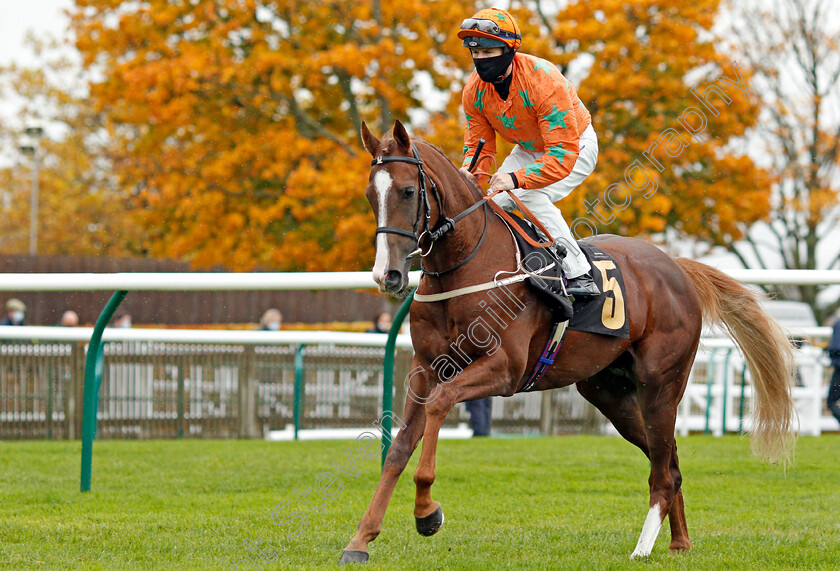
(636,383)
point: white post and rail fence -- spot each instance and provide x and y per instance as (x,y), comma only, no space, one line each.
(722,357)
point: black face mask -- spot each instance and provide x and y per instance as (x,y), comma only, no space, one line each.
(491,69)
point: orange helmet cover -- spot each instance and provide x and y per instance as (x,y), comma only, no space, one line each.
(504,20)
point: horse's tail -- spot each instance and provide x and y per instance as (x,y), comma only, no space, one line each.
(766,347)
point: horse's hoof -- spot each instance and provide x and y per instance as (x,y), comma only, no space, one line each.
(680,546)
(349,556)
(430,524)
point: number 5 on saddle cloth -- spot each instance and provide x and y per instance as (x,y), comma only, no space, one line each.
(605,314)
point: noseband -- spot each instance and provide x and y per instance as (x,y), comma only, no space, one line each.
(424,213)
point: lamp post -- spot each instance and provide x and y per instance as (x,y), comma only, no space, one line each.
(29,146)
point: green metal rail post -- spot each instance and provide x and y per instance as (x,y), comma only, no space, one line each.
(93,376)
(388,376)
(299,387)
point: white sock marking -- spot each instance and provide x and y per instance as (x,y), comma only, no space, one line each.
(383,182)
(653,522)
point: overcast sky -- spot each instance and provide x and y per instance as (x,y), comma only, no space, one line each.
(21,16)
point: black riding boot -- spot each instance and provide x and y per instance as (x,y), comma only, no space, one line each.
(583,286)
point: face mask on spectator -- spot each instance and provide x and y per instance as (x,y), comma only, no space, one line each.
(273,326)
(17,316)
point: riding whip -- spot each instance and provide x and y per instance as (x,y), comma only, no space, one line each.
(478,148)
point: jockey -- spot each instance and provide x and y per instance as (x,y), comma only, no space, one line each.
(529,103)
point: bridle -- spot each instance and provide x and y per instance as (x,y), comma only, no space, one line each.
(424,213)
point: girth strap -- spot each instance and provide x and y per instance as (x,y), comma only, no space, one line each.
(552,347)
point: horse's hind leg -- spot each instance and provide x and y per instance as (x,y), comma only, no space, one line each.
(662,373)
(617,398)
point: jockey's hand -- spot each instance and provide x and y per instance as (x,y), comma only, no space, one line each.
(501,181)
(469,175)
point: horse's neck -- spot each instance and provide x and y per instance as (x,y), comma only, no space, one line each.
(458,195)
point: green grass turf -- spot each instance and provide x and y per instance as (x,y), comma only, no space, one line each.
(541,503)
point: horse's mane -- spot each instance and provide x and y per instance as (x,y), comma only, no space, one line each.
(470,183)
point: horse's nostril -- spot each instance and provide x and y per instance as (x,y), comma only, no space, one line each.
(393,279)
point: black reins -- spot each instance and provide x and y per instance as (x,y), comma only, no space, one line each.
(424,212)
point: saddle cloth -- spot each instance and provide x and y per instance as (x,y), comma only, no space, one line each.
(605,314)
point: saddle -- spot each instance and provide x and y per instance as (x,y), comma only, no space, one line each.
(605,314)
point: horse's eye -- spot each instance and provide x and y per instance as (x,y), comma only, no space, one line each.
(408,192)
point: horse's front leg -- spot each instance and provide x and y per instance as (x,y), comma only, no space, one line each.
(395,461)
(484,378)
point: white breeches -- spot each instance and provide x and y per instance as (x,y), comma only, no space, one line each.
(541,200)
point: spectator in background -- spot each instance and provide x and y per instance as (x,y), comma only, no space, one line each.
(271,320)
(15,312)
(480,416)
(381,323)
(834,387)
(69,319)
(123,320)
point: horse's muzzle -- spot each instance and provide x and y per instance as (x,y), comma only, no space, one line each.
(393,281)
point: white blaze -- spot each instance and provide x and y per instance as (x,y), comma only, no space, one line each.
(650,530)
(382,182)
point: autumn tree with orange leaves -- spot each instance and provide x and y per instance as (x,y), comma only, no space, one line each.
(233,124)
(236,121)
(670,111)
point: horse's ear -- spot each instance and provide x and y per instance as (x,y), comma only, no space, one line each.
(370,142)
(401,135)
